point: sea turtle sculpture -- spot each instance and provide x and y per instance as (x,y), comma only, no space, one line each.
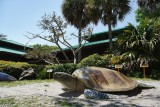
(6,77)
(97,78)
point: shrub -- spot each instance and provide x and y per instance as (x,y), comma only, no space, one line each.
(40,71)
(136,74)
(68,68)
(16,68)
(13,68)
(93,60)
(155,74)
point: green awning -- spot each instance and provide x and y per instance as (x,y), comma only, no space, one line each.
(2,49)
(15,43)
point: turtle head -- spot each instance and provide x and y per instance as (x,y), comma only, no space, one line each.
(64,78)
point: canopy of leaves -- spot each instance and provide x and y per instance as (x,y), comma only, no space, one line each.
(75,13)
(141,13)
(142,43)
(108,10)
(147,8)
(41,52)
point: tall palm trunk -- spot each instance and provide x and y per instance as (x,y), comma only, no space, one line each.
(110,35)
(79,45)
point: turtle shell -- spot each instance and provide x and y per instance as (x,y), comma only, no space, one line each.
(105,80)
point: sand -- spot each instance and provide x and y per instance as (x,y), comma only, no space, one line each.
(52,95)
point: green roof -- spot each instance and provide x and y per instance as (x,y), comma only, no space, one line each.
(91,43)
(103,35)
(113,30)
(2,49)
(13,42)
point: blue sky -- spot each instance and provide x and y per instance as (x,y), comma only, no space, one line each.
(17,17)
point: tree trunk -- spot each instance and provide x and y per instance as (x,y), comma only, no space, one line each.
(66,57)
(79,45)
(75,58)
(110,35)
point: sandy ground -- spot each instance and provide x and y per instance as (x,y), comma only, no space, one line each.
(52,95)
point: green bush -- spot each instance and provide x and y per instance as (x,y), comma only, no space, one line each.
(68,68)
(13,68)
(93,60)
(136,74)
(155,74)
(16,68)
(40,71)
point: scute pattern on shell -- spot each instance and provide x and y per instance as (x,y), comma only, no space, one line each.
(105,80)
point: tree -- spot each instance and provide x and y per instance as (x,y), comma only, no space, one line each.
(42,53)
(2,36)
(74,12)
(141,43)
(56,27)
(147,8)
(150,4)
(109,12)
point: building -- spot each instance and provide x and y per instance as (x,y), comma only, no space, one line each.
(12,51)
(97,43)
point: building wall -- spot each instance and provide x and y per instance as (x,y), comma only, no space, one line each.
(86,51)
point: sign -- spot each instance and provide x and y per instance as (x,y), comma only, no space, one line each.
(118,66)
(49,70)
(144,65)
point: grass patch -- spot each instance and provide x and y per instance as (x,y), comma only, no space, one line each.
(37,101)
(23,82)
(8,102)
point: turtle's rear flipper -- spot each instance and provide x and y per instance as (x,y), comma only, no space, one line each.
(145,86)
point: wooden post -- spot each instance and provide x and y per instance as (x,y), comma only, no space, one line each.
(49,71)
(118,69)
(118,66)
(144,72)
(144,66)
(49,75)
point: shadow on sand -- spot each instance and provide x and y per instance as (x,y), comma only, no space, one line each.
(71,94)
(131,93)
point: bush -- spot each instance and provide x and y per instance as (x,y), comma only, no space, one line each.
(93,60)
(136,74)
(41,72)
(68,68)
(16,68)
(155,74)
(13,68)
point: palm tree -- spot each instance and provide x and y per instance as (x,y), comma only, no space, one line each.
(75,13)
(109,12)
(147,8)
(138,44)
(151,4)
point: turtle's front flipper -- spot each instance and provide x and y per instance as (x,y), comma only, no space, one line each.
(145,86)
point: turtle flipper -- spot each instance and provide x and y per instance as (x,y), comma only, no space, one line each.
(145,86)
(93,94)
